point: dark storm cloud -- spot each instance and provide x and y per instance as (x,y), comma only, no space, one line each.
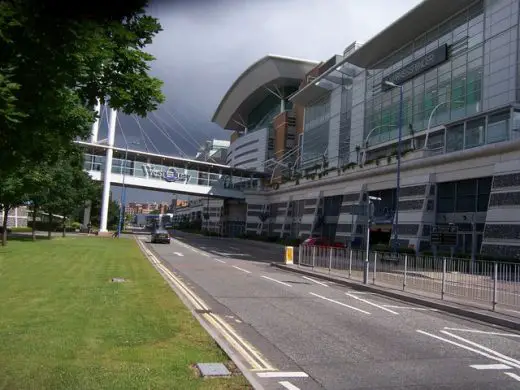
(206,44)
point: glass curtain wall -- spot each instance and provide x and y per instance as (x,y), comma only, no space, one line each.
(263,114)
(450,91)
(316,134)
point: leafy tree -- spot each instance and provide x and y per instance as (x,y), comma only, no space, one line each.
(68,186)
(95,211)
(11,196)
(56,61)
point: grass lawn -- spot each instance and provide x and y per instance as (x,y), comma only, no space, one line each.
(65,325)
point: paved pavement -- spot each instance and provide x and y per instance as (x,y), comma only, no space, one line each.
(303,333)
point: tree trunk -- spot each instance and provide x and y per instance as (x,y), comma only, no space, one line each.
(49,230)
(4,225)
(35,210)
(63,232)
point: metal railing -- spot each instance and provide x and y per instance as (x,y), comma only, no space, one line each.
(486,282)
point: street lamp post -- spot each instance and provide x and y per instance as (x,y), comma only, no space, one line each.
(395,245)
(434,110)
(365,143)
(366,267)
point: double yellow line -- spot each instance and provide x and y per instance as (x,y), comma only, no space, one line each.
(246,350)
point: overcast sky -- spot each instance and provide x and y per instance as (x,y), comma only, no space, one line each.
(206,44)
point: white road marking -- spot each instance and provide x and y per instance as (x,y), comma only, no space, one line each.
(220,261)
(514,361)
(483,332)
(288,385)
(241,269)
(408,307)
(178,254)
(315,281)
(250,354)
(231,254)
(513,375)
(371,303)
(360,292)
(281,374)
(339,303)
(277,281)
(490,367)
(489,356)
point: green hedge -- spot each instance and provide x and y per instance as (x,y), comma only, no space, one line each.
(24,229)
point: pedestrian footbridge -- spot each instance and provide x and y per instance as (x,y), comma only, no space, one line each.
(151,171)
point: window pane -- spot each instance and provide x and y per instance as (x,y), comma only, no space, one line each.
(465,204)
(498,128)
(475,133)
(455,138)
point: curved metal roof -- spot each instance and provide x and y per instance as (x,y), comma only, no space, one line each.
(251,87)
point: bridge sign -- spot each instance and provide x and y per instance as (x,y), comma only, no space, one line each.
(170,174)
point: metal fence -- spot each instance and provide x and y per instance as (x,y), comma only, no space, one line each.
(488,282)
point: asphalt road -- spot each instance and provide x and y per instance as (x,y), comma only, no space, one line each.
(319,335)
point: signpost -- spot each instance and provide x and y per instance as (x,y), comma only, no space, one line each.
(444,235)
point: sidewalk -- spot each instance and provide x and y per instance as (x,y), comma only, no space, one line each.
(502,316)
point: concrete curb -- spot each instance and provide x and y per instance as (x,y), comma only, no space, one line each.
(221,342)
(442,306)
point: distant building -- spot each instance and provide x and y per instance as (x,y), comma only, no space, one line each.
(134,208)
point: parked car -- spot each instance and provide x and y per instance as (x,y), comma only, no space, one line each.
(160,235)
(320,241)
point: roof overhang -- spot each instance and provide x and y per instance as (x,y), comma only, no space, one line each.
(427,15)
(324,83)
(254,84)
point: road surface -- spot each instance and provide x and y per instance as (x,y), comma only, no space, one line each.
(303,333)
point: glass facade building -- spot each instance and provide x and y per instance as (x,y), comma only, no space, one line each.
(479,75)
(327,124)
(460,85)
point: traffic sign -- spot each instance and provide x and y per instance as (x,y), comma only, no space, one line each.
(444,235)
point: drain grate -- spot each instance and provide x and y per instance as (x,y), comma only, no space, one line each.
(213,369)
(118,280)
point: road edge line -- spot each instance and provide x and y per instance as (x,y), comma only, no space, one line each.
(219,339)
(445,307)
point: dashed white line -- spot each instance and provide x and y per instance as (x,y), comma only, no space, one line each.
(371,303)
(483,332)
(220,261)
(487,355)
(361,292)
(241,269)
(282,374)
(315,281)
(490,367)
(288,385)
(513,375)
(178,254)
(339,303)
(409,307)
(510,359)
(277,281)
